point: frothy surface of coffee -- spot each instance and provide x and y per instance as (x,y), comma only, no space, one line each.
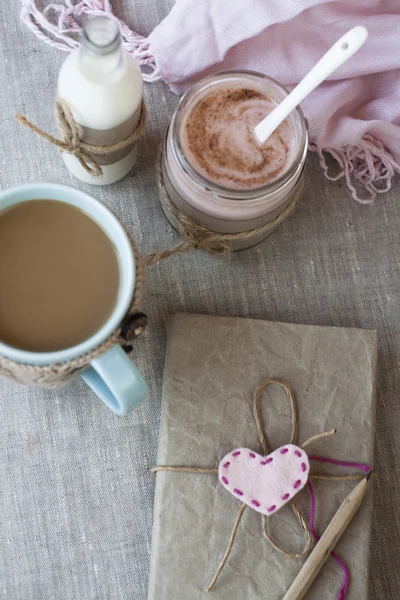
(219,142)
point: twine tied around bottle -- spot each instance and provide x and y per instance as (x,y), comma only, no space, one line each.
(309,529)
(71,142)
(198,237)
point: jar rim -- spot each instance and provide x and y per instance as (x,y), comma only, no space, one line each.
(223,191)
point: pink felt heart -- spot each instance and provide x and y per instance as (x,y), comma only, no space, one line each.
(265,483)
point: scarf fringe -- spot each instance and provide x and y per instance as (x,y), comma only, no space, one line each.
(366,165)
(57,25)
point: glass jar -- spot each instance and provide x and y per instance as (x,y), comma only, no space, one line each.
(221,209)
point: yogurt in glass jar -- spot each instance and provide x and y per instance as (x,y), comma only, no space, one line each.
(213,168)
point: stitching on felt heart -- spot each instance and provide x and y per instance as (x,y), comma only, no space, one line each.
(252,482)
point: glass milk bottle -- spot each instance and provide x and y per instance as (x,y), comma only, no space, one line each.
(103,86)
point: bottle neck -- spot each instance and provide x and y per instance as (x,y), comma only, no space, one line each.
(100,54)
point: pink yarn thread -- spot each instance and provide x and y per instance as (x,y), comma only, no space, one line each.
(57,32)
(341,463)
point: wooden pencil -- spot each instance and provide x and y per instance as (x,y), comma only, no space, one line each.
(328,541)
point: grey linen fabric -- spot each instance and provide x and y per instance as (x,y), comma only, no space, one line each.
(76,494)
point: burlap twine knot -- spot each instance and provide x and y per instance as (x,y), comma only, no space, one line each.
(198,237)
(72,144)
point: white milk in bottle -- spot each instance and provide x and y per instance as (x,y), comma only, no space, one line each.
(103,86)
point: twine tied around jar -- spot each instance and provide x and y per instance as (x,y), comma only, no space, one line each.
(56,375)
(198,237)
(72,144)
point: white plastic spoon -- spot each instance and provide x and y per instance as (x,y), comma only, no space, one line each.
(341,51)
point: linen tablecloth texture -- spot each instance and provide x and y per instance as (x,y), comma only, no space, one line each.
(76,494)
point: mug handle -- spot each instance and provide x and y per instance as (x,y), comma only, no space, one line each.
(116,381)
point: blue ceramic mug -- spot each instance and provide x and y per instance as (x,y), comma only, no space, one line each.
(112,376)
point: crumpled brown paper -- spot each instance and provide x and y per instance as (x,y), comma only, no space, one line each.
(212,368)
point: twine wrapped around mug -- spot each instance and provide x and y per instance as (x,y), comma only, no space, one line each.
(309,529)
(56,375)
(72,144)
(198,237)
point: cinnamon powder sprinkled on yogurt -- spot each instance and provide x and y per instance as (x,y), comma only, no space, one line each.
(219,143)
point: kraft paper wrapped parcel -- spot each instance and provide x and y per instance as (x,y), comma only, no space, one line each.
(212,368)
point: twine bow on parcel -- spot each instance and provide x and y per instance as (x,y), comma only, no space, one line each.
(242,473)
(72,144)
